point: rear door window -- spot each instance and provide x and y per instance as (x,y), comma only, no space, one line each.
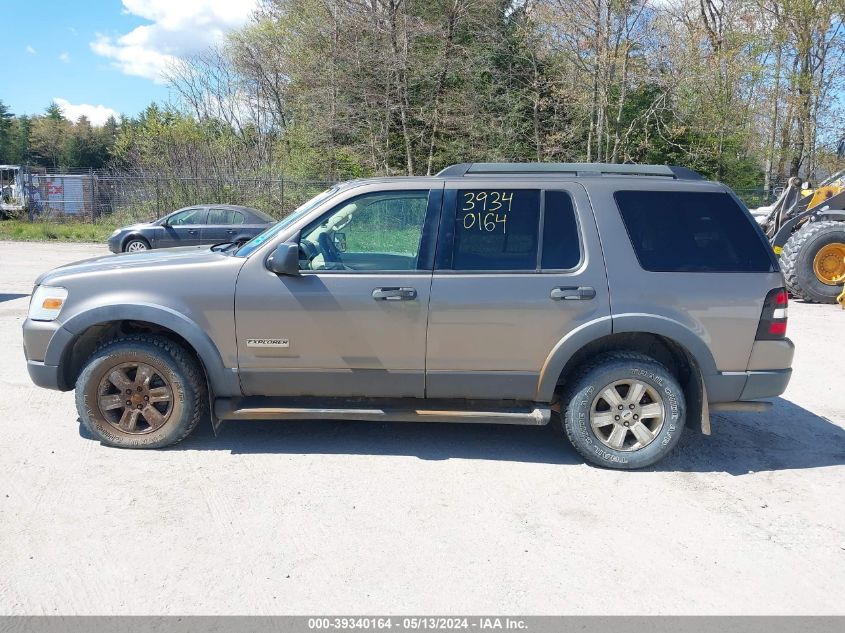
(225,216)
(502,230)
(690,231)
(496,229)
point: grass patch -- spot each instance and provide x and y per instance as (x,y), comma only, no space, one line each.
(24,231)
(406,241)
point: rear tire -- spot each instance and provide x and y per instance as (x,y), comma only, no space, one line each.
(623,411)
(800,261)
(141,392)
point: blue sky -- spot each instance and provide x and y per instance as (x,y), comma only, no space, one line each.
(101,56)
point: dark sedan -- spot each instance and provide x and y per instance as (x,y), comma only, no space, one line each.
(201,224)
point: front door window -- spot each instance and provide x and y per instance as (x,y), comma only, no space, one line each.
(187,217)
(373,232)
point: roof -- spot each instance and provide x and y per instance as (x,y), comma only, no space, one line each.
(234,207)
(569,169)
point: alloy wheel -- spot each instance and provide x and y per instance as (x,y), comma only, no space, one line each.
(136,246)
(135,398)
(627,415)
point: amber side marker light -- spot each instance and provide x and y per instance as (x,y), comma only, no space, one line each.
(52,304)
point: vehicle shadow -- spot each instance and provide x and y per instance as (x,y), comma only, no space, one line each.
(787,437)
(428,441)
(11,296)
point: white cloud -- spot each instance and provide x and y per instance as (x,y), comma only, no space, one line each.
(30,50)
(179,28)
(97,114)
(64,58)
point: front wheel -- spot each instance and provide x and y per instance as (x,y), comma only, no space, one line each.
(141,392)
(624,411)
(136,245)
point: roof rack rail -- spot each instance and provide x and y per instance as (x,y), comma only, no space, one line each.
(570,169)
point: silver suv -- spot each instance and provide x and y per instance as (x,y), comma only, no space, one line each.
(623,302)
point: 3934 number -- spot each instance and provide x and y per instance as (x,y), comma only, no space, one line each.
(486,210)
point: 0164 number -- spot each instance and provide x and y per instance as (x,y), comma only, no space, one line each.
(486,210)
(486,221)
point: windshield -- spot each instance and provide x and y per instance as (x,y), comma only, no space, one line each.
(274,230)
(840,175)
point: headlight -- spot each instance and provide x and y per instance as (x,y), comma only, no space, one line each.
(116,232)
(46,303)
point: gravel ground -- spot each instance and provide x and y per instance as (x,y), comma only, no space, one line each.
(316,518)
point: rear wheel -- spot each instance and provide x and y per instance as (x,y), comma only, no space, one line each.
(140,392)
(813,262)
(624,411)
(135,245)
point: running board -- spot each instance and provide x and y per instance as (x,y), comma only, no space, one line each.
(265,408)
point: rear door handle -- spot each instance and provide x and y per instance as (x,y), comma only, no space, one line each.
(395,294)
(571,293)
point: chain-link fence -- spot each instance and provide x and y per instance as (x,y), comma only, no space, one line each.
(754,198)
(118,197)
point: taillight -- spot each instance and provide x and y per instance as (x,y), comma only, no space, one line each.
(773,318)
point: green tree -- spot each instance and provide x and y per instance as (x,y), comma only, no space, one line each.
(54,112)
(48,136)
(6,129)
(21,144)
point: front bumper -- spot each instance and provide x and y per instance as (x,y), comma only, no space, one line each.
(37,336)
(114,243)
(47,376)
(44,343)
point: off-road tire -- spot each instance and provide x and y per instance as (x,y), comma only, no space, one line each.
(136,240)
(796,261)
(174,364)
(587,384)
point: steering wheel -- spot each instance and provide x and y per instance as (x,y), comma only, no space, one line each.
(330,253)
(308,250)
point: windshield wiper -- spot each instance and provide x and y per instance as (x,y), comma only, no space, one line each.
(225,247)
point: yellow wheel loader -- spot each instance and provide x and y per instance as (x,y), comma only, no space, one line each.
(806,227)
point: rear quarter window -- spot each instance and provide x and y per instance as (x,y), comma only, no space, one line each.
(690,231)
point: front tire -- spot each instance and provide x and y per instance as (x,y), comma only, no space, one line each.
(136,245)
(141,392)
(624,411)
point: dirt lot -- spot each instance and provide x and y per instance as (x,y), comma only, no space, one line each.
(314,518)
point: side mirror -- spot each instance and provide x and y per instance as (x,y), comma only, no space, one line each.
(285,259)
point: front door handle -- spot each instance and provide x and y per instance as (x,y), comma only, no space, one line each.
(571,293)
(192,231)
(395,294)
